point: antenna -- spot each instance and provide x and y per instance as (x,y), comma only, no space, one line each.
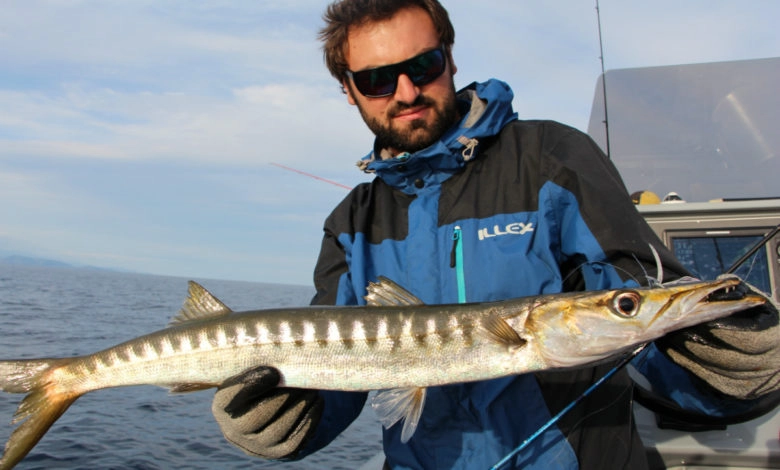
(603,78)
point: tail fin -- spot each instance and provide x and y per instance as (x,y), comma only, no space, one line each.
(37,411)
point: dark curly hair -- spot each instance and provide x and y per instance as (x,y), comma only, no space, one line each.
(344,14)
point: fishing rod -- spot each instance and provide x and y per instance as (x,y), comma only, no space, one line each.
(603,79)
(623,362)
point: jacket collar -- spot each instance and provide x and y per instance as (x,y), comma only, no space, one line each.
(488,108)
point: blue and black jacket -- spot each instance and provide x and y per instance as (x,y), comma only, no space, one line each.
(498,208)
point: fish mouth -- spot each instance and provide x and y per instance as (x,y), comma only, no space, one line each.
(744,319)
(710,301)
(731,294)
(738,291)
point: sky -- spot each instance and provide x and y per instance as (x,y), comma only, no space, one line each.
(143,134)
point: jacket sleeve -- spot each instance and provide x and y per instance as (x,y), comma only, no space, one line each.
(340,408)
(332,273)
(605,242)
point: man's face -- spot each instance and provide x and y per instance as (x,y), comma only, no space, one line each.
(414,117)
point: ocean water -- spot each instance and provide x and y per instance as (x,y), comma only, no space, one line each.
(60,312)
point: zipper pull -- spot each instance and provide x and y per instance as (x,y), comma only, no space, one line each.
(454,251)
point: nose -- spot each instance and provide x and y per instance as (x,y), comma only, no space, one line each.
(406,91)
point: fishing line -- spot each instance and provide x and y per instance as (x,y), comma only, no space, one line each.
(319,178)
(753,250)
(578,270)
(569,407)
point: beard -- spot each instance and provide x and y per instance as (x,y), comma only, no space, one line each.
(418,134)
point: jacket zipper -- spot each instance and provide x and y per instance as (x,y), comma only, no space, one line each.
(456,262)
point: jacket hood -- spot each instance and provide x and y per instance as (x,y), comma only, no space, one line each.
(489,106)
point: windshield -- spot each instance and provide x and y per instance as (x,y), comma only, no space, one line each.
(707,257)
(704,131)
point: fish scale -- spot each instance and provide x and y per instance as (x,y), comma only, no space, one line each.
(394,344)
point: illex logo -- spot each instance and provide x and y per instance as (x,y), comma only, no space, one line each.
(515,228)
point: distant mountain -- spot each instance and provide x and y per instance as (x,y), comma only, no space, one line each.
(19,260)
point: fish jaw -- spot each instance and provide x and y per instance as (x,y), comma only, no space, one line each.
(587,327)
(701,302)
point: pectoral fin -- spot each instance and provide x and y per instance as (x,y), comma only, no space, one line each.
(395,404)
(498,330)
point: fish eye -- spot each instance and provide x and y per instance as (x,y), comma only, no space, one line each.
(626,303)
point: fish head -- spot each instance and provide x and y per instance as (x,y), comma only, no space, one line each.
(590,326)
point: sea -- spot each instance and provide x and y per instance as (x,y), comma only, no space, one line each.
(62,312)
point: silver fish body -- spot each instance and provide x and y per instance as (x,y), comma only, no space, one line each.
(394,344)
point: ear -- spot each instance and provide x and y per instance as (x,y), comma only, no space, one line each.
(347,88)
(453,67)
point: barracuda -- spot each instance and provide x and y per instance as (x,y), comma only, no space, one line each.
(395,344)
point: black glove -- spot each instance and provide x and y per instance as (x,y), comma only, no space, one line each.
(738,355)
(264,420)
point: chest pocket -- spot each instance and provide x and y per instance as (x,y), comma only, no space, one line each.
(506,256)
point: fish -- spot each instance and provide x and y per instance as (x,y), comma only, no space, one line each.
(394,344)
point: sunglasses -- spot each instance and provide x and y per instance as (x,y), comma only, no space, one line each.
(382,81)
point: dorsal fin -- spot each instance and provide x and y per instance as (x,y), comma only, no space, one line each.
(388,293)
(200,304)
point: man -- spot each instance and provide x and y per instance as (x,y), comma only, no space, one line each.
(471,204)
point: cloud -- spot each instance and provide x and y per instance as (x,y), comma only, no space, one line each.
(212,82)
(254,125)
(139,133)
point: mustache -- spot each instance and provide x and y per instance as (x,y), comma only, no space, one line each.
(421,100)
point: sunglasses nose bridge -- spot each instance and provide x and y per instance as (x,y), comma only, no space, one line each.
(405,89)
